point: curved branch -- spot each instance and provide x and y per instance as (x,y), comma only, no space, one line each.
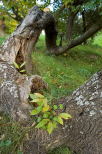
(93,29)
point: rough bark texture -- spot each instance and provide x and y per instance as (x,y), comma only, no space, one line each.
(83,133)
(14,91)
(14,87)
(19,45)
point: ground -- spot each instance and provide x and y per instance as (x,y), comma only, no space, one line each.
(63,74)
(67,72)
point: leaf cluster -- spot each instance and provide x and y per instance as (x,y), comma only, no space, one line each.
(20,67)
(46,115)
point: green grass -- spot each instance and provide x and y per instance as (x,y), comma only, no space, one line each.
(63,74)
(60,150)
(2,39)
(98,39)
(67,72)
(11,136)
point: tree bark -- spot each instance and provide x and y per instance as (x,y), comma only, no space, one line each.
(19,45)
(70,23)
(52,36)
(84,24)
(82,133)
(18,48)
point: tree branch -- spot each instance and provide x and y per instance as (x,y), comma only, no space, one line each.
(18,17)
(93,29)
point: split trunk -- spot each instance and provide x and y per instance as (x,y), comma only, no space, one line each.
(82,133)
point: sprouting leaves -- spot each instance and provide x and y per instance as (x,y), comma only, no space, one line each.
(38,98)
(16,65)
(20,68)
(50,127)
(55,107)
(46,116)
(23,64)
(36,111)
(42,123)
(65,115)
(59,120)
(46,108)
(61,106)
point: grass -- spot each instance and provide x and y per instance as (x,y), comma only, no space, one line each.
(11,136)
(67,72)
(2,39)
(63,74)
(98,39)
(60,150)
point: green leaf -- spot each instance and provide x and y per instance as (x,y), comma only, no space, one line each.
(23,71)
(50,127)
(22,64)
(46,115)
(42,123)
(60,120)
(61,106)
(44,127)
(38,98)
(45,108)
(55,107)
(16,65)
(65,115)
(36,111)
(54,124)
(32,96)
(44,101)
(38,95)
(35,100)
(55,118)
(38,119)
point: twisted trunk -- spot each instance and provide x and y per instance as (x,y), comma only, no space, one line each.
(82,133)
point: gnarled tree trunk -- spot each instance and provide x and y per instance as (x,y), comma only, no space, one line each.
(82,133)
